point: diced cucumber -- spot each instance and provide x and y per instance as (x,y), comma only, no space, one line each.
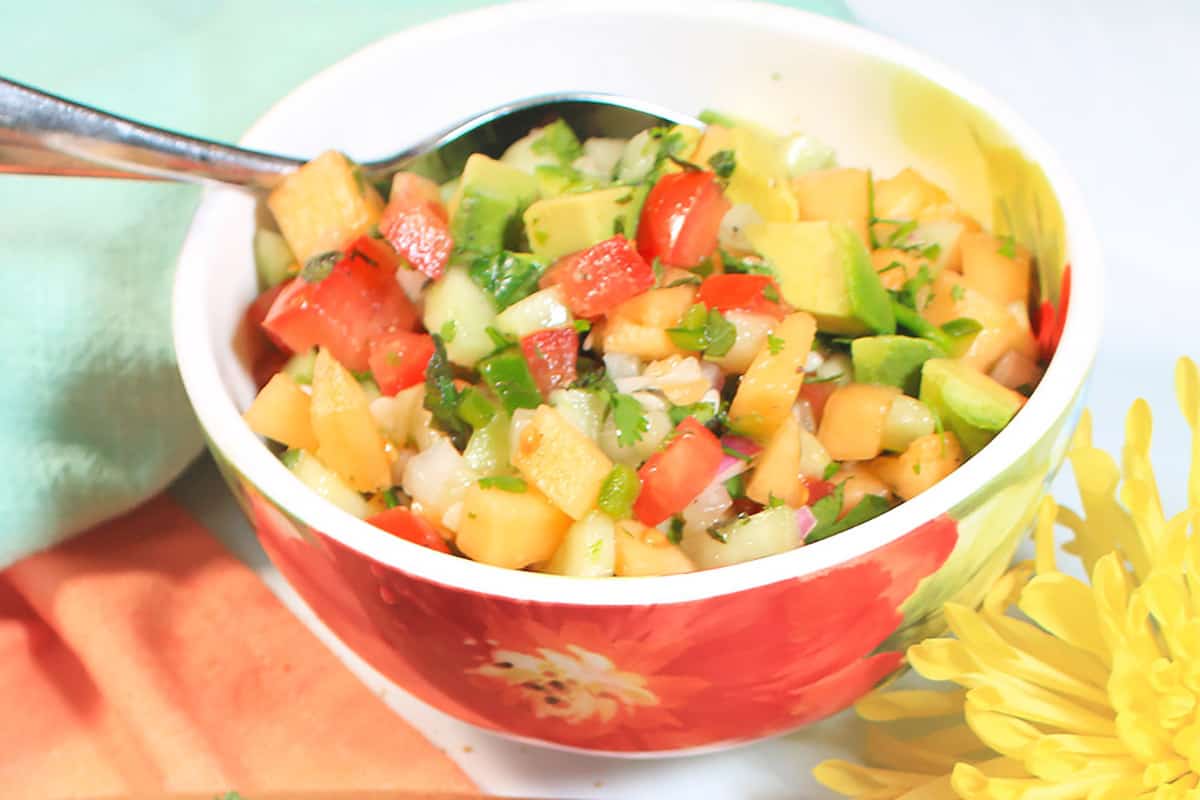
(582,408)
(764,534)
(325,482)
(587,551)
(456,298)
(803,153)
(539,311)
(638,158)
(272,258)
(300,367)
(487,451)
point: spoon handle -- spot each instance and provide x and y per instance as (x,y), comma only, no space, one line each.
(41,134)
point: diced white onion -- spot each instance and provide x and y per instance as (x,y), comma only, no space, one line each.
(438,476)
(621,365)
(732,233)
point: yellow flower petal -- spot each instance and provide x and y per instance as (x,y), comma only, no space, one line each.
(944,660)
(1040,707)
(1007,589)
(1043,536)
(853,780)
(909,704)
(1107,522)
(885,750)
(1065,608)
(1187,389)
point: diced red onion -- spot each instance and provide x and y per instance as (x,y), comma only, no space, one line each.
(805,522)
(742,445)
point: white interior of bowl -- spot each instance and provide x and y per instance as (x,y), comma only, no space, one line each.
(787,69)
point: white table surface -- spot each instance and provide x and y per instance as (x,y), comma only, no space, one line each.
(1108,83)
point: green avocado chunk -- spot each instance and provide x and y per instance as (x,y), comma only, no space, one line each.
(485,210)
(825,269)
(970,404)
(571,222)
(892,360)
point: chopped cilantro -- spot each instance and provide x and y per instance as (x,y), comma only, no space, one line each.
(505,483)
(658,268)
(500,340)
(718,533)
(723,163)
(390,498)
(441,395)
(890,267)
(872,505)
(558,140)
(735,453)
(507,277)
(318,267)
(362,375)
(746,266)
(831,469)
(703,412)
(962,327)
(775,344)
(690,280)
(736,486)
(901,233)
(449,331)
(770,293)
(291,458)
(629,419)
(916,468)
(773,501)
(675,529)
(581,326)
(1008,247)
(957,292)
(595,549)
(837,376)
(704,330)
(685,165)
(910,292)
(711,117)
(474,408)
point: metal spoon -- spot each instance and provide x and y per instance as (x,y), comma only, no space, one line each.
(41,134)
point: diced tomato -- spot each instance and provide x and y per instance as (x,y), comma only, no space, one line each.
(415,223)
(672,477)
(398,359)
(681,219)
(1050,322)
(817,394)
(817,488)
(254,348)
(357,301)
(404,523)
(552,355)
(600,278)
(755,293)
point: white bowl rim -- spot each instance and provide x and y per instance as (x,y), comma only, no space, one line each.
(1064,377)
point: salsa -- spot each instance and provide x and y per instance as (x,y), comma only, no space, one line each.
(630,357)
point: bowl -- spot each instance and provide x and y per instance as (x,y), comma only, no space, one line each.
(640,666)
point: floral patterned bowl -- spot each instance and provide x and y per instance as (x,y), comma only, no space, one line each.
(666,664)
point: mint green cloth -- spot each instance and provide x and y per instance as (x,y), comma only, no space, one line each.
(93,418)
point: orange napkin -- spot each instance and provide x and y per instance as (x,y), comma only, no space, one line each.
(142,657)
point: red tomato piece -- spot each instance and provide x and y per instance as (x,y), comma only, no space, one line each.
(732,292)
(681,219)
(552,355)
(357,301)
(398,360)
(415,223)
(402,522)
(817,394)
(257,351)
(1050,322)
(672,477)
(817,488)
(600,278)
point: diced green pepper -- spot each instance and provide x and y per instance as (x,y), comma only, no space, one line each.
(509,377)
(619,491)
(474,408)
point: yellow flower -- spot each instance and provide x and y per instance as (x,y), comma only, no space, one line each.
(1097,696)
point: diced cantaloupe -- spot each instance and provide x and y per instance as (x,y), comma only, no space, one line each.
(852,424)
(324,205)
(925,462)
(563,463)
(281,412)
(904,196)
(642,550)
(510,529)
(770,386)
(777,468)
(348,440)
(1004,327)
(835,195)
(987,268)
(639,325)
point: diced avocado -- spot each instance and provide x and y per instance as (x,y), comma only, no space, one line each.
(555,179)
(825,269)
(970,404)
(488,203)
(759,175)
(570,222)
(892,360)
